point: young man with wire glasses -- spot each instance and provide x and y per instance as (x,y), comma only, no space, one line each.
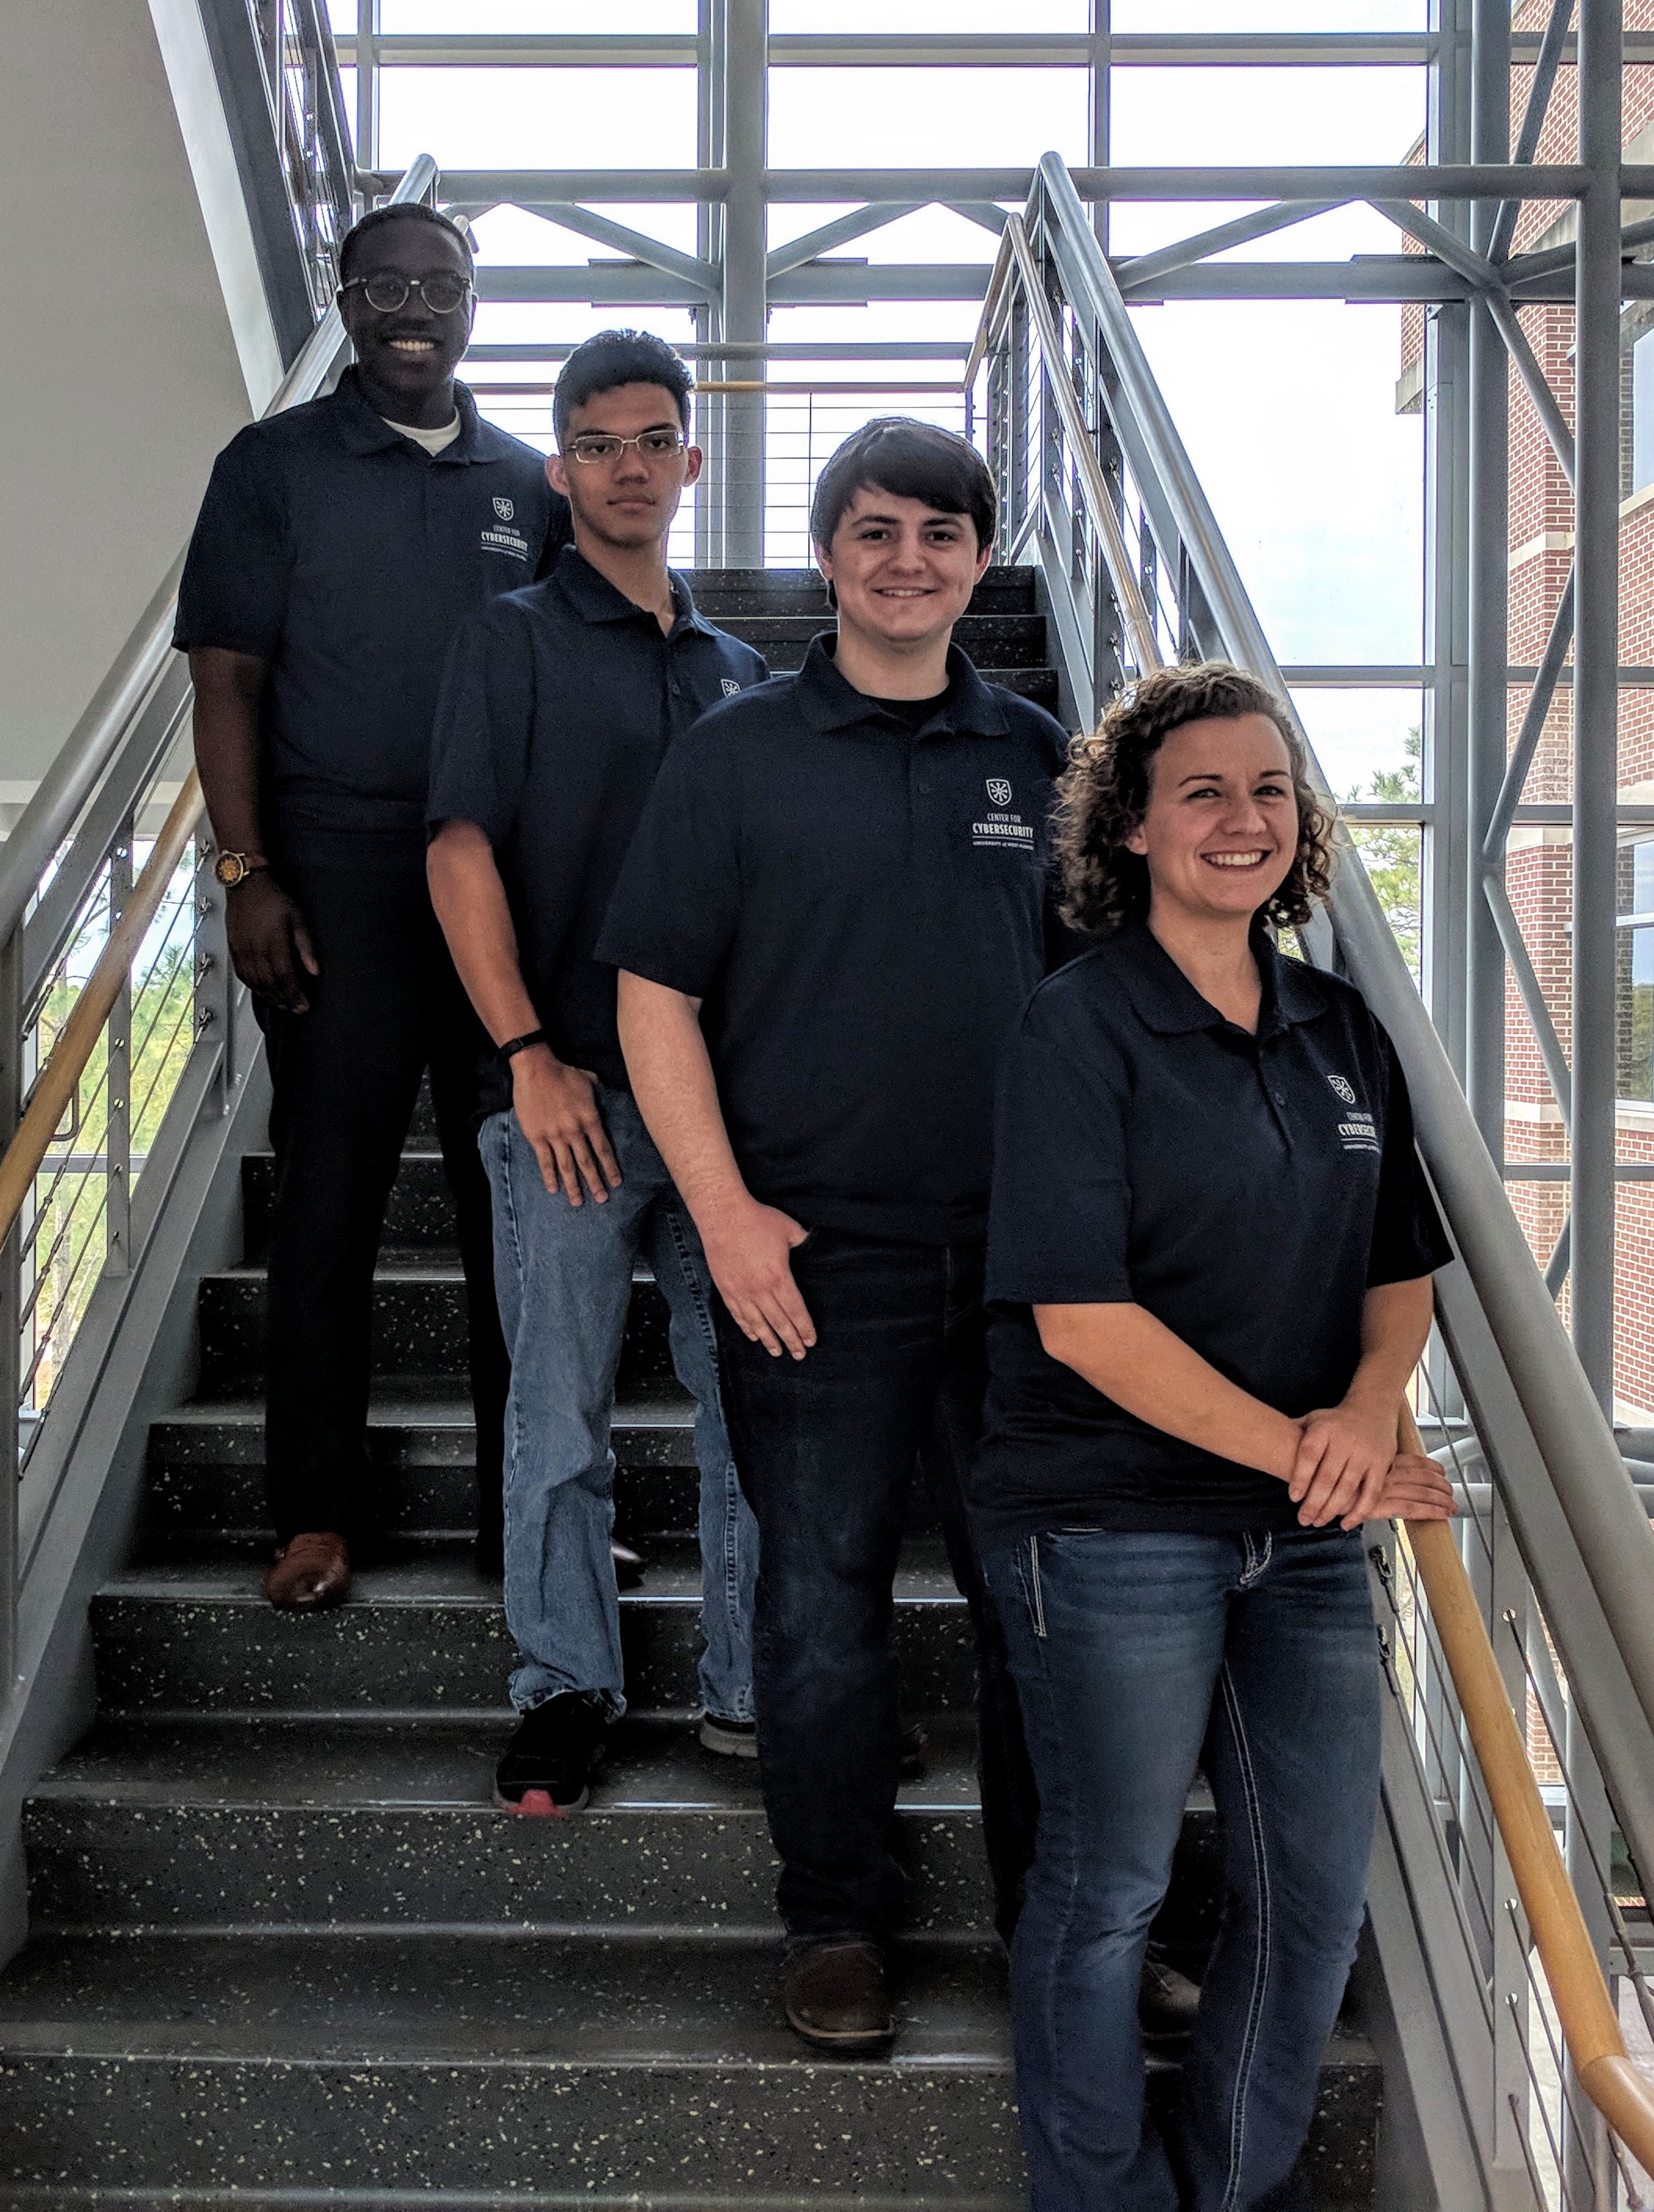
(557,710)
(339,547)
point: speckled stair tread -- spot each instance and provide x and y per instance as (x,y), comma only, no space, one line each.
(585,2001)
(652,1763)
(427,1634)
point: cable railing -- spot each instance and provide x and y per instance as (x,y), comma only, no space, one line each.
(313,138)
(1510,2039)
(117,1007)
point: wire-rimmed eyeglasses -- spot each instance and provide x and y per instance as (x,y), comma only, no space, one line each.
(592,445)
(386,290)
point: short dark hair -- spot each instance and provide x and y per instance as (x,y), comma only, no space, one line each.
(403,211)
(1103,794)
(910,460)
(612,358)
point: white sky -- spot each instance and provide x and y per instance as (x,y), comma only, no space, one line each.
(1287,408)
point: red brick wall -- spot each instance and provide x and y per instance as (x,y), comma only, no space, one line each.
(1539,874)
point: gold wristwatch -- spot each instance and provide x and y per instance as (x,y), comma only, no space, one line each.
(232,868)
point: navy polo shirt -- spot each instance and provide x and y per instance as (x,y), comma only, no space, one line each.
(861,906)
(346,557)
(557,711)
(1248,1191)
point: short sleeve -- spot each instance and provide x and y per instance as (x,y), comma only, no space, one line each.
(1408,1239)
(234,586)
(1060,1211)
(483,728)
(675,907)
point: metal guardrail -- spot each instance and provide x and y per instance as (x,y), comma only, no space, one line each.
(114,979)
(1098,491)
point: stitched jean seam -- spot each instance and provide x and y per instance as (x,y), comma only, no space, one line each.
(1033,1590)
(1260,1966)
(686,1270)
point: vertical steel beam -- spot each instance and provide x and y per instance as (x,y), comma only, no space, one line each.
(367,148)
(1101,100)
(1489,572)
(1595,690)
(1447,883)
(709,492)
(746,71)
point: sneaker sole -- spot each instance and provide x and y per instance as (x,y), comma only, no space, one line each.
(847,2043)
(713,1738)
(548,1810)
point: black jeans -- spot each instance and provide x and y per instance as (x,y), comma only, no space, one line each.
(826,1450)
(386,1006)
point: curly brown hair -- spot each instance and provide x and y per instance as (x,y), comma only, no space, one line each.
(1103,794)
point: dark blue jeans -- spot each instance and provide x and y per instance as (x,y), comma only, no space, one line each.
(826,1449)
(1137,1658)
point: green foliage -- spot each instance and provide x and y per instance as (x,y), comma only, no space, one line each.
(1392,851)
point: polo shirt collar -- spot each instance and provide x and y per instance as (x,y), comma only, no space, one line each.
(363,430)
(968,708)
(595,599)
(1166,1002)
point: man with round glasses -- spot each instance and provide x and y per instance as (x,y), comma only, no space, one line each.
(559,705)
(339,548)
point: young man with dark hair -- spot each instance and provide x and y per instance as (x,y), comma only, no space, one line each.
(339,547)
(559,705)
(833,911)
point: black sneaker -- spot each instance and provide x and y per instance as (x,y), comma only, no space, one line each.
(731,1739)
(549,1761)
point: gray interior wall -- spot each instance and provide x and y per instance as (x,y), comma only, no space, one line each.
(122,374)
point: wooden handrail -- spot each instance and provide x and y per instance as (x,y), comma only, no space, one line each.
(1591,2027)
(55,1086)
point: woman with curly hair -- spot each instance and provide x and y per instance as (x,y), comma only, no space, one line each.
(1210,1252)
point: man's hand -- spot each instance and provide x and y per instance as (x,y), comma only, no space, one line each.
(747,1248)
(557,1111)
(1343,1459)
(270,947)
(1415,1490)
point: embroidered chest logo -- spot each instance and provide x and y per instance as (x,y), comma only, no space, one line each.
(1357,1133)
(731,687)
(1001,832)
(500,537)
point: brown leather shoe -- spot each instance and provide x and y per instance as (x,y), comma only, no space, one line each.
(835,1996)
(310,1572)
(1167,2001)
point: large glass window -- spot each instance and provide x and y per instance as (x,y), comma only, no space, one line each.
(1634,1038)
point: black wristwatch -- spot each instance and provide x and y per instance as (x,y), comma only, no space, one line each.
(512,1046)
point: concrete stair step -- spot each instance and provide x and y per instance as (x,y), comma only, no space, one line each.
(442,2060)
(420,1326)
(197,1824)
(206,1481)
(427,1635)
(605,2070)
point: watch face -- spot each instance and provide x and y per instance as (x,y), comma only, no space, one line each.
(229,867)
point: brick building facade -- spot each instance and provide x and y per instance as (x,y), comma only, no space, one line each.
(1539,868)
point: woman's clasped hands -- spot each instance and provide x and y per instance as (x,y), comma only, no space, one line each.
(1347,1469)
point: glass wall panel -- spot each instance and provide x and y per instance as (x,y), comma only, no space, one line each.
(1256,115)
(939,16)
(1288,412)
(537,119)
(921,118)
(412,18)
(1269,15)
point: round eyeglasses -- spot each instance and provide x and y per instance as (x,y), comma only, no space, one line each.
(386,290)
(592,445)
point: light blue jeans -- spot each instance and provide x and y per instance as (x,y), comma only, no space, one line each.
(564,1278)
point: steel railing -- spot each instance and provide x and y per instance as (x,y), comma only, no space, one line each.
(1097,492)
(114,985)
